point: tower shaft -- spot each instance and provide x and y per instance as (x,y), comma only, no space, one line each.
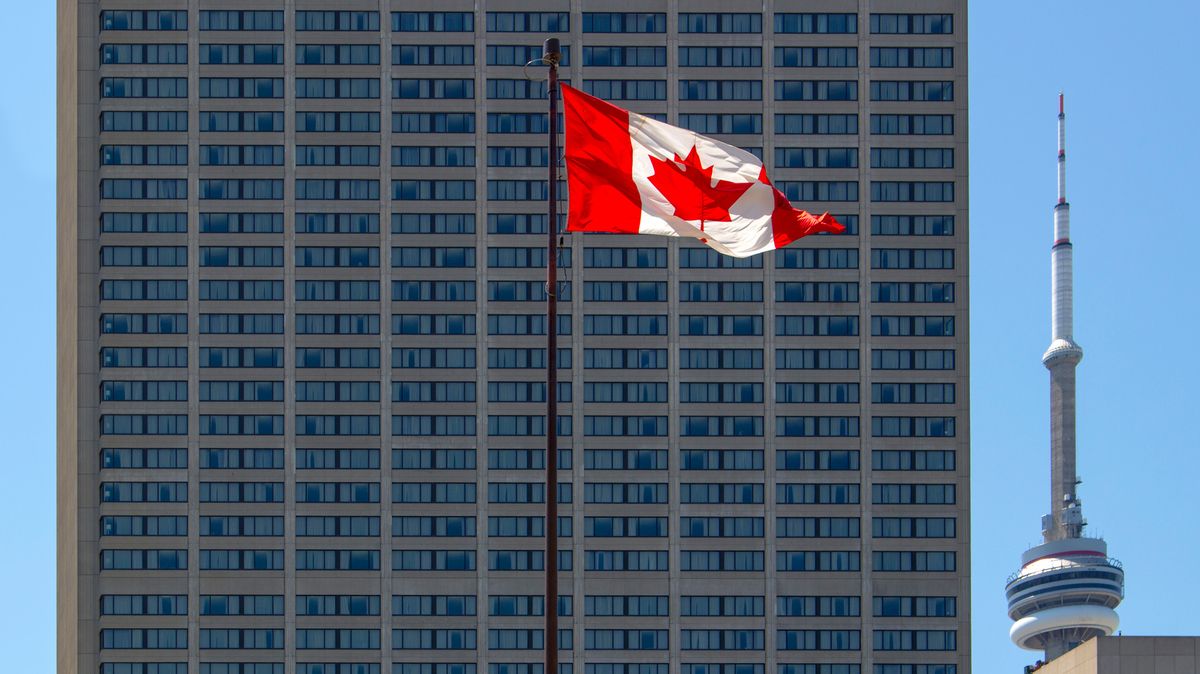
(1064,519)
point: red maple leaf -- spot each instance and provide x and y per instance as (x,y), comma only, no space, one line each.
(689,187)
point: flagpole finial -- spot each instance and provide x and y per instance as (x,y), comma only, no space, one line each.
(551,53)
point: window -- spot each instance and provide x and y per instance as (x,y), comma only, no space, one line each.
(721,560)
(438,22)
(433,223)
(912,427)
(916,24)
(334,604)
(433,560)
(693,22)
(720,359)
(913,527)
(143,324)
(435,55)
(794,392)
(816,325)
(336,122)
(428,605)
(129,188)
(143,155)
(822,291)
(813,493)
(336,54)
(818,190)
(919,494)
(926,607)
(915,640)
(248,54)
(433,156)
(441,639)
(824,560)
(818,606)
(433,190)
(433,122)
(720,90)
(434,88)
(916,326)
(816,90)
(337,560)
(240,357)
(143,87)
(721,493)
(228,525)
(815,23)
(818,640)
(816,157)
(624,22)
(720,325)
(242,560)
(626,560)
(718,527)
(816,57)
(720,459)
(241,87)
(335,459)
(912,57)
(143,390)
(914,125)
(143,604)
(148,121)
(912,393)
(337,21)
(625,459)
(624,56)
(722,123)
(241,458)
(817,527)
(814,426)
(415,526)
(433,492)
(911,91)
(912,359)
(720,57)
(912,459)
(130,525)
(248,122)
(143,458)
(816,459)
(153,19)
(912,292)
(816,124)
(527,22)
(241,20)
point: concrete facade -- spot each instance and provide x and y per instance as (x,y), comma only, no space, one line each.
(835,429)
(1129,655)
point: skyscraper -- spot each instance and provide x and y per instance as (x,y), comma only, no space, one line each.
(301,325)
(1067,587)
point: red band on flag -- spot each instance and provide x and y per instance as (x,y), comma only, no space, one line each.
(599,164)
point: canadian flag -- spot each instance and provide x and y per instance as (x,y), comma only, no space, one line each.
(629,174)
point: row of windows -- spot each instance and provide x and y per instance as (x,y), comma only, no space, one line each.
(513,223)
(308,357)
(530,459)
(513,122)
(497,190)
(452,88)
(515,668)
(521,22)
(533,492)
(529,560)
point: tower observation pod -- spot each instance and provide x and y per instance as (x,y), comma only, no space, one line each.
(1068,587)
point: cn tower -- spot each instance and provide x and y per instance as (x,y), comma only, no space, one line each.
(1068,587)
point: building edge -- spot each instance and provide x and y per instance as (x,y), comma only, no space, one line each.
(67,300)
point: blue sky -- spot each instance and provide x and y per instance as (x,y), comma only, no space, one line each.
(1132,147)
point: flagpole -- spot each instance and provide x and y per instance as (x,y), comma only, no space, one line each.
(551,56)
